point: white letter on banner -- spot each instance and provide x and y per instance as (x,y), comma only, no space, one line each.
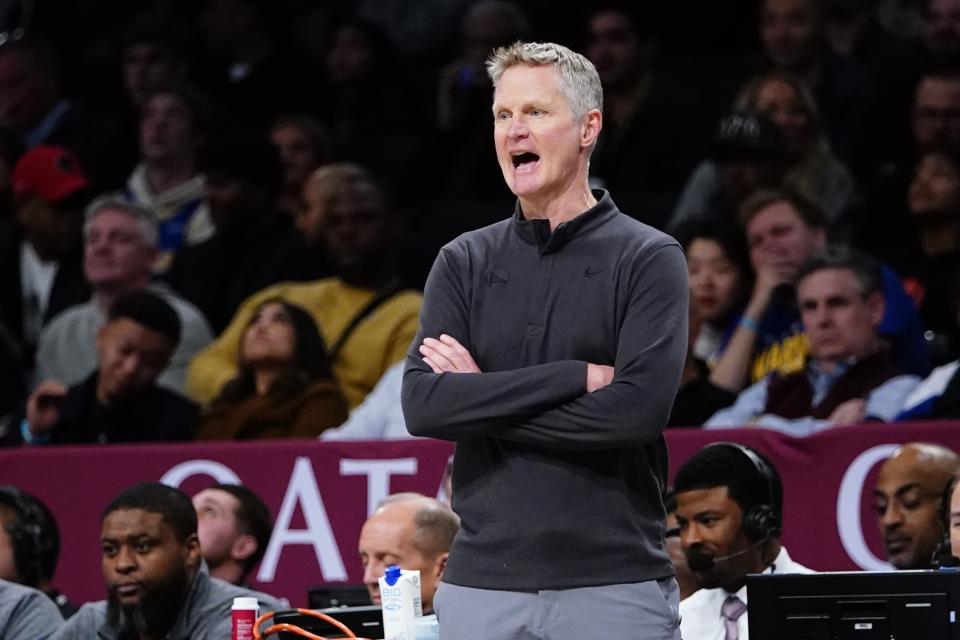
(303,490)
(216,470)
(378,474)
(848,507)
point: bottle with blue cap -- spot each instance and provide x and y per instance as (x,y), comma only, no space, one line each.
(401,602)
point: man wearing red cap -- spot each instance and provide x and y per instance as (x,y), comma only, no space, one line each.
(40,272)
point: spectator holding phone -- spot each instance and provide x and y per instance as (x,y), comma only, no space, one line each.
(120,402)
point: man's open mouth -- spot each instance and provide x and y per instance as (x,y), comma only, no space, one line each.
(526,158)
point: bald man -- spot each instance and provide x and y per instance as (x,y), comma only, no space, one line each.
(907,499)
(412,531)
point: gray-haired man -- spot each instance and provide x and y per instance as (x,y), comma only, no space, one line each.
(119,253)
(550,349)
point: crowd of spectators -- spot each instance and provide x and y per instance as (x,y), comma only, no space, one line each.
(226,154)
(216,217)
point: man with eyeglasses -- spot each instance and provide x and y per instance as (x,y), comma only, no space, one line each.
(907,501)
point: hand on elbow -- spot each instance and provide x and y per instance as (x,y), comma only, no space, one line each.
(446,355)
(598,376)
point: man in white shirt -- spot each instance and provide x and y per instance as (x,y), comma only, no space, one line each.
(729,510)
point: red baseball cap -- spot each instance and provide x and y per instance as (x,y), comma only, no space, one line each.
(51,173)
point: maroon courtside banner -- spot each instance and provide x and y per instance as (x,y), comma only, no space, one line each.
(320,493)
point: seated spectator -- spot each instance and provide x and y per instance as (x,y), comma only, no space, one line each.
(26,614)
(655,123)
(748,153)
(412,531)
(255,73)
(721,280)
(11,149)
(887,230)
(33,103)
(13,383)
(941,33)
(783,230)
(284,387)
(320,192)
(936,398)
(848,377)
(152,56)
(302,145)
(730,514)
(364,73)
(853,104)
(686,579)
(697,398)
(379,416)
(30,545)
(120,401)
(40,266)
(933,201)
(811,167)
(118,258)
(255,245)
(463,98)
(907,499)
(157,586)
(153,50)
(168,179)
(234,528)
(363,313)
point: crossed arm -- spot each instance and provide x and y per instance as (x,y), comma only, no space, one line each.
(446,355)
(566,404)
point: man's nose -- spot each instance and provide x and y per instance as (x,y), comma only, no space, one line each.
(892,517)
(130,364)
(517,128)
(372,573)
(125,561)
(690,535)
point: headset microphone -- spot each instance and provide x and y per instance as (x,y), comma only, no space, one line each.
(701,562)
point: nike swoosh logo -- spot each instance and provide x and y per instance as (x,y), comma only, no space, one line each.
(590,271)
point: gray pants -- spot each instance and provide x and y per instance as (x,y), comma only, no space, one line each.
(638,611)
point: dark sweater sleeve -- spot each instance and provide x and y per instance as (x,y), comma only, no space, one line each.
(457,406)
(635,407)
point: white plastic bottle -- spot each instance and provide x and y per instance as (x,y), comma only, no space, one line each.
(245,612)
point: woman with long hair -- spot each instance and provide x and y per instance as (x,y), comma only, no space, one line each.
(812,169)
(285,386)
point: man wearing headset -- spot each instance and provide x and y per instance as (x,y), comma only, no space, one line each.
(729,510)
(30,545)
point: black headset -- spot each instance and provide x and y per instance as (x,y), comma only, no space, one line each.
(33,534)
(761,522)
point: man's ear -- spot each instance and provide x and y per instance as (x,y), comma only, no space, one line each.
(590,130)
(821,237)
(243,547)
(440,564)
(101,336)
(192,553)
(877,306)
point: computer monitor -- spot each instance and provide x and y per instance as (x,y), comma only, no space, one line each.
(365,622)
(347,595)
(901,605)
